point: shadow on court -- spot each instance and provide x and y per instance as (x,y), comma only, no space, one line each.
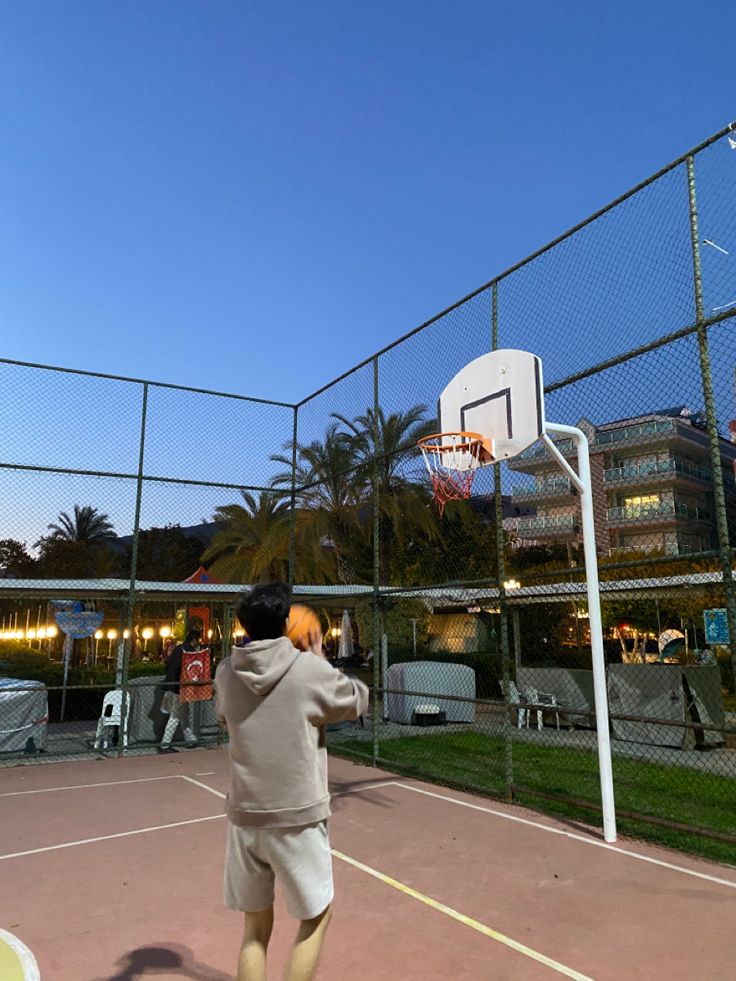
(167,960)
(369,790)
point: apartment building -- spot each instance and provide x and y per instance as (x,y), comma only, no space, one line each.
(652,486)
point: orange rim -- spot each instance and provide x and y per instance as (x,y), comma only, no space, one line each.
(469,440)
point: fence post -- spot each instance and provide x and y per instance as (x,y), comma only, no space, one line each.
(122,675)
(502,605)
(719,495)
(377,648)
(292,512)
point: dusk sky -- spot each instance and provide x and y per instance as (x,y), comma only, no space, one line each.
(253,197)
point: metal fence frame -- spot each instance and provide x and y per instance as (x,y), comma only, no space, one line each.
(378,590)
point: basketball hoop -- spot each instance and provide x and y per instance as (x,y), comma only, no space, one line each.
(452,460)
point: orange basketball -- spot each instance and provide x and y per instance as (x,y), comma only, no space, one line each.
(302,621)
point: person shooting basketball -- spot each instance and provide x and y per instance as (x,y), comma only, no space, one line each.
(275,697)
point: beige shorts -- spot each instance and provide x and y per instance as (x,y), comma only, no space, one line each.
(298,858)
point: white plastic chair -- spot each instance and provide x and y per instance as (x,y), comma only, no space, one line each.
(547,700)
(522,714)
(111,713)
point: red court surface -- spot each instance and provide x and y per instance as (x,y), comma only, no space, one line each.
(111,871)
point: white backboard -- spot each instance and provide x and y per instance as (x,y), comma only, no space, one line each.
(499,395)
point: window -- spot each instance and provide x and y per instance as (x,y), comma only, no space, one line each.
(641,504)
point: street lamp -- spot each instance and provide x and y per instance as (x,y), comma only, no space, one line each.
(146,633)
(164,633)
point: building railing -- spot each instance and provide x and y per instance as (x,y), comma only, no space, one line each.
(539,450)
(665,509)
(553,524)
(667,548)
(560,487)
(640,431)
(636,471)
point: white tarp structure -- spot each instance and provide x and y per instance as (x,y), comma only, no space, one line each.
(435,678)
(670,692)
(24,714)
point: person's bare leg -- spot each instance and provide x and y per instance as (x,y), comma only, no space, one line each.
(256,934)
(302,965)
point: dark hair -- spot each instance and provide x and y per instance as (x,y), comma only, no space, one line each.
(194,634)
(263,610)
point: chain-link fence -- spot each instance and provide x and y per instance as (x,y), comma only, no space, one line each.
(471,628)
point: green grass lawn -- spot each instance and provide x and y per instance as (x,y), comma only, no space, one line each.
(474,761)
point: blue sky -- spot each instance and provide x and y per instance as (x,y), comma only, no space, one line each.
(256,196)
(253,197)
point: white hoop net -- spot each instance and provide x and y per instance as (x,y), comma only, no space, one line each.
(452,460)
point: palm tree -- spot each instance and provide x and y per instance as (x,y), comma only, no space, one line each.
(253,542)
(88,525)
(328,498)
(384,445)
(390,440)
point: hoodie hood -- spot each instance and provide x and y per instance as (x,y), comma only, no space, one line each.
(263,663)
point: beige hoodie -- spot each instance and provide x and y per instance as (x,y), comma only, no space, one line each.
(275,699)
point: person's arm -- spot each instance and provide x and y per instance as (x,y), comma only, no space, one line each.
(342,698)
(337,697)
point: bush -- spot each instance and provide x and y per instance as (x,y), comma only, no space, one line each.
(397,623)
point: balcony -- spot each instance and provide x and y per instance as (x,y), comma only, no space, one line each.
(640,433)
(654,513)
(635,473)
(554,526)
(544,490)
(663,548)
(539,450)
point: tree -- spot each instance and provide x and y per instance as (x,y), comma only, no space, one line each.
(87,525)
(461,547)
(166,554)
(253,541)
(78,546)
(383,446)
(15,560)
(60,558)
(328,518)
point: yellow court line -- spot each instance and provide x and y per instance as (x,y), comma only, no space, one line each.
(467,921)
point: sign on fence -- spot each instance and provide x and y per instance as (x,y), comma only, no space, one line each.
(716,627)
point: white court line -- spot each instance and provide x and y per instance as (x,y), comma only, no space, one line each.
(26,959)
(467,921)
(120,834)
(339,793)
(85,786)
(204,786)
(571,834)
(209,773)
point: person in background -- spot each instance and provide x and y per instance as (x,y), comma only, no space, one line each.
(275,701)
(171,704)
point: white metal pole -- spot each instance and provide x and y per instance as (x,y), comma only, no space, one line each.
(596,623)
